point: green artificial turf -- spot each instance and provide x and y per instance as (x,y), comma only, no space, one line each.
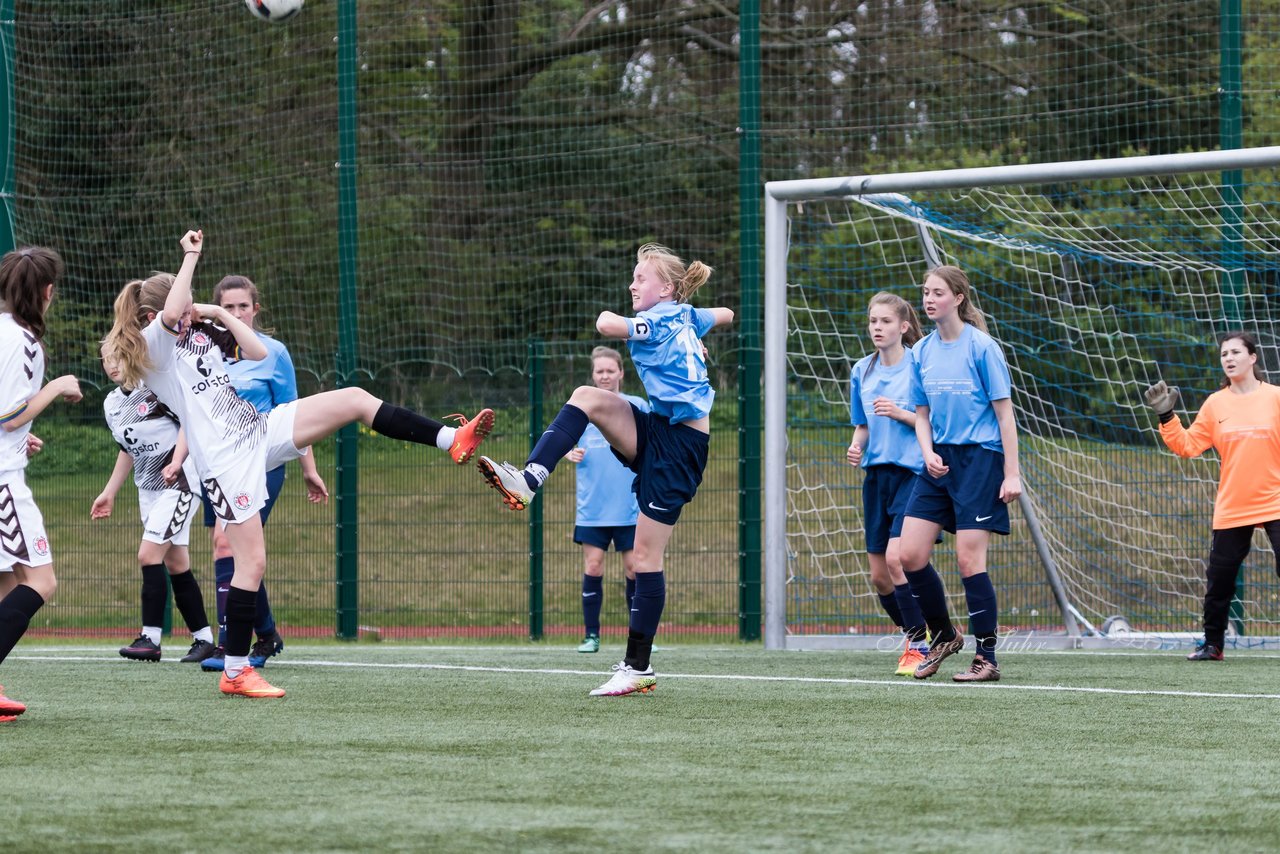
(471,748)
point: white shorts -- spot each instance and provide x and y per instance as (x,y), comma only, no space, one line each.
(22,536)
(237,492)
(167,515)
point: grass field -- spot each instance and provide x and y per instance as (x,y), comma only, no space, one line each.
(479,748)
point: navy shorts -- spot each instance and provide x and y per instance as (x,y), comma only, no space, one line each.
(885,491)
(275,482)
(670,459)
(623,537)
(968,496)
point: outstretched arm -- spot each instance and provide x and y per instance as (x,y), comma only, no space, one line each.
(66,387)
(724,316)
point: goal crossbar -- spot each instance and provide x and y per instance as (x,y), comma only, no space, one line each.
(780,194)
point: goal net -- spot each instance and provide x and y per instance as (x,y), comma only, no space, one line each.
(1098,278)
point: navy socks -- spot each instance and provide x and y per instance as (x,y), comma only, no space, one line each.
(561,435)
(592,597)
(646,614)
(912,620)
(983,614)
(931,596)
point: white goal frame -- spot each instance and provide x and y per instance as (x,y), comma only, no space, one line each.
(778,195)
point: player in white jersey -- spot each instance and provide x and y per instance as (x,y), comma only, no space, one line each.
(667,447)
(160,340)
(27,280)
(148,434)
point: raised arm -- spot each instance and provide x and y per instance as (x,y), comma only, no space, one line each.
(175,306)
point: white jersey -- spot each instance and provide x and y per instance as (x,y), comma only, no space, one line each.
(21,376)
(189,375)
(147,431)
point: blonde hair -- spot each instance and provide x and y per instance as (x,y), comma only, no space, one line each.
(958,282)
(672,270)
(136,300)
(606,353)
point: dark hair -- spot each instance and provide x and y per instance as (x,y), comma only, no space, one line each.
(24,275)
(240,283)
(1251,344)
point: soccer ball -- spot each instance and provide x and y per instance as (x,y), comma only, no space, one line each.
(274,11)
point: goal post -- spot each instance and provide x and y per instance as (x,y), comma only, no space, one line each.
(1098,277)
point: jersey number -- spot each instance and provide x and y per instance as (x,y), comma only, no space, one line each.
(692,350)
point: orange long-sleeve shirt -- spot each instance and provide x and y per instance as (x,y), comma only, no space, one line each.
(1245,431)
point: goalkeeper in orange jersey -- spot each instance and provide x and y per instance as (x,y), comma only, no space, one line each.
(1241,421)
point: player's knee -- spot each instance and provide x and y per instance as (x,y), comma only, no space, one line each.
(911,557)
(42,581)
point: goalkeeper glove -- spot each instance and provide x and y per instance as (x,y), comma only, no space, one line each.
(1162,398)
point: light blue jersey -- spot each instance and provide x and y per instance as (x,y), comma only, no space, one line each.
(957,380)
(889,441)
(266,383)
(605,498)
(666,346)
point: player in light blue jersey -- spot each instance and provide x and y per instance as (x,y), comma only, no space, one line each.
(606,505)
(266,384)
(884,444)
(965,424)
(666,448)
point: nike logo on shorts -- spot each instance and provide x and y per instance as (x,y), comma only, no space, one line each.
(589,595)
(982,518)
(653,506)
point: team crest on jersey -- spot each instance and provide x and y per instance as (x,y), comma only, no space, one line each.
(243,500)
(200,339)
(143,408)
(41,546)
